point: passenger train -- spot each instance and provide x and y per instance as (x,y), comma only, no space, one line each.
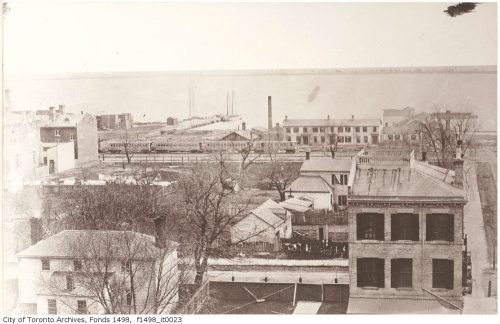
(173,146)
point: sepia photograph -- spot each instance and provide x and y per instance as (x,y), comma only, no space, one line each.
(169,158)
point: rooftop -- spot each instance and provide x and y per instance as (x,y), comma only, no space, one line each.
(92,243)
(403,181)
(267,216)
(310,183)
(296,205)
(330,122)
(326,164)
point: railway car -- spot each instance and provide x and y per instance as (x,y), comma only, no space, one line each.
(166,146)
(132,146)
(225,146)
(274,146)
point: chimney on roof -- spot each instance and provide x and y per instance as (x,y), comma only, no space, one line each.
(269,113)
(51,113)
(243,126)
(286,117)
(160,232)
(352,116)
(458,164)
(328,117)
(61,109)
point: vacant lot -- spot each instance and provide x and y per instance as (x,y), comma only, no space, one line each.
(488,194)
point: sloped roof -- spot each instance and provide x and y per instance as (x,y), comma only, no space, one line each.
(64,120)
(407,111)
(273,207)
(309,183)
(402,182)
(267,216)
(330,122)
(67,244)
(296,205)
(243,133)
(326,164)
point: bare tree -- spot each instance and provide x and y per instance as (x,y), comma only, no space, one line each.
(120,272)
(441,133)
(126,148)
(209,206)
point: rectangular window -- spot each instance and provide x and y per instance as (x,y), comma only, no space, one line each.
(357,129)
(77,265)
(440,227)
(442,273)
(288,129)
(304,130)
(358,139)
(70,285)
(332,129)
(129,298)
(57,132)
(404,227)
(321,129)
(315,129)
(341,129)
(126,266)
(45,264)
(71,137)
(348,139)
(289,138)
(370,272)
(81,306)
(315,139)
(343,179)
(295,129)
(365,139)
(342,200)
(322,139)
(374,129)
(389,137)
(340,139)
(401,273)
(297,138)
(365,129)
(333,179)
(348,129)
(397,137)
(370,226)
(52,306)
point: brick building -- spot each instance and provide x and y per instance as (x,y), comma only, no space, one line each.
(319,132)
(405,236)
(80,129)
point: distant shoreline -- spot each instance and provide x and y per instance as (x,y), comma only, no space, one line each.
(485,69)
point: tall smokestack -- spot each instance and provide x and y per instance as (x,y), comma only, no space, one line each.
(269,113)
(243,126)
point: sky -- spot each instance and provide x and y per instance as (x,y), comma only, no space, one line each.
(42,37)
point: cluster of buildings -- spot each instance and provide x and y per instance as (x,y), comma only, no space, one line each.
(45,142)
(115,121)
(398,220)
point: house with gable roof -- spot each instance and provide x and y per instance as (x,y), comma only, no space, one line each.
(78,271)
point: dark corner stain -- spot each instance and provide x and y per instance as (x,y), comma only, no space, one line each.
(461,8)
(313,94)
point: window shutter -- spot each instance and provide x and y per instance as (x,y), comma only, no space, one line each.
(380,273)
(451,228)
(380,226)
(429,224)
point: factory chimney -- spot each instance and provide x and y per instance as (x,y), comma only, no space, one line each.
(243,126)
(269,113)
